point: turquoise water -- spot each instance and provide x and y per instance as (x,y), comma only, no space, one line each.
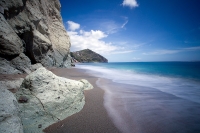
(189,70)
(150,97)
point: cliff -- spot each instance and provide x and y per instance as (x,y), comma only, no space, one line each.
(32,31)
(32,35)
(87,55)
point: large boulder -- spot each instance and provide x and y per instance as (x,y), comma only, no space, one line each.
(10,121)
(45,98)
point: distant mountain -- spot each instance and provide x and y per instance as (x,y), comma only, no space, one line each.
(86,56)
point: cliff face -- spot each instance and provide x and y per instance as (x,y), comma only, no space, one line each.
(33,28)
(87,55)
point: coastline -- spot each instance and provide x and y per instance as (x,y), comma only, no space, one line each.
(116,107)
(93,117)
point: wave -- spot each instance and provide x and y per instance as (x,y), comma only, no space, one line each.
(180,87)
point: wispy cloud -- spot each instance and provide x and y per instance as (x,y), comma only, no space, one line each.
(122,52)
(73,26)
(130,3)
(165,51)
(136,59)
(93,40)
(112,26)
(126,21)
(191,48)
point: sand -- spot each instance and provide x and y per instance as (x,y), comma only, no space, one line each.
(93,118)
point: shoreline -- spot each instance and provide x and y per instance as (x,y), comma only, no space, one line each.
(116,107)
(93,117)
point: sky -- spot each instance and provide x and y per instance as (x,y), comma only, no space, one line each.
(135,30)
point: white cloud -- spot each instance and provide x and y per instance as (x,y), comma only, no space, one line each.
(130,3)
(73,26)
(93,40)
(166,51)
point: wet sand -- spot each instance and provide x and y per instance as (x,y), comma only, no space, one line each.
(5,77)
(93,118)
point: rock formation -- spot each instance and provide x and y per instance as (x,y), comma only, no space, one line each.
(45,98)
(33,30)
(10,121)
(12,85)
(87,55)
(32,35)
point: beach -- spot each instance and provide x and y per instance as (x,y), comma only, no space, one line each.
(93,117)
(158,105)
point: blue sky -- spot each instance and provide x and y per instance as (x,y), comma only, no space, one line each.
(135,30)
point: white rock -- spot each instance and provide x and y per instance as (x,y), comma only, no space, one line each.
(12,84)
(50,98)
(87,85)
(36,66)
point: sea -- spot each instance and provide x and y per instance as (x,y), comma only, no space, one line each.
(150,97)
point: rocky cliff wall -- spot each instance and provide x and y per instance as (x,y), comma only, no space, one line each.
(33,28)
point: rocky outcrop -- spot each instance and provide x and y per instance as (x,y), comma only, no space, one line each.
(18,65)
(6,68)
(35,28)
(11,85)
(22,63)
(10,121)
(45,98)
(87,55)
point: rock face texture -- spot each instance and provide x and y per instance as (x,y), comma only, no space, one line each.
(87,55)
(45,98)
(10,121)
(12,85)
(35,28)
(6,68)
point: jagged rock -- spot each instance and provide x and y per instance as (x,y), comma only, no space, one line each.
(6,68)
(50,98)
(34,27)
(12,85)
(10,43)
(87,85)
(68,63)
(18,65)
(10,121)
(22,63)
